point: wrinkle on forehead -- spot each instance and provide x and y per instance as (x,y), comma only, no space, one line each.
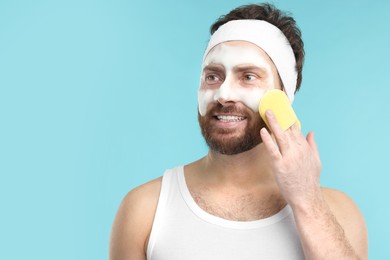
(236,53)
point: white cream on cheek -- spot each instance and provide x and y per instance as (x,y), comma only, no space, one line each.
(230,56)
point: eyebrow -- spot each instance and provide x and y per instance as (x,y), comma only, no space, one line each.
(250,68)
(238,68)
(214,68)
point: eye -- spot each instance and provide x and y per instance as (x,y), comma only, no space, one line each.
(250,77)
(212,79)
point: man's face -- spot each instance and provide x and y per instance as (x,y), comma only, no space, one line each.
(235,75)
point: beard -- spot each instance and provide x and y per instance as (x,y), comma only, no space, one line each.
(230,141)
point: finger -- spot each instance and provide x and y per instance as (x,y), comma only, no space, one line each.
(269,144)
(280,136)
(312,143)
(296,129)
(296,133)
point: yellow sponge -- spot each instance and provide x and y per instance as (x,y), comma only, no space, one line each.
(278,102)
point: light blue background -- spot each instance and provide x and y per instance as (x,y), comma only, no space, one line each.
(97,97)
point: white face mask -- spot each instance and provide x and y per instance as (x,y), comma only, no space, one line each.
(236,71)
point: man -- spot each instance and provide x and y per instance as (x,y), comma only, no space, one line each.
(256,194)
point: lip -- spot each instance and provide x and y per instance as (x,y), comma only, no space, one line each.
(228,114)
(228,124)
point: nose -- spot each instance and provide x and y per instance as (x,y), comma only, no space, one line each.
(224,101)
(225,93)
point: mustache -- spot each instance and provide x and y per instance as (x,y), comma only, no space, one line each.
(229,109)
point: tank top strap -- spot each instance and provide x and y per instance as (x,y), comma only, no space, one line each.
(168,187)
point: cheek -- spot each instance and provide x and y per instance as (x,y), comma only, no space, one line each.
(205,97)
(248,96)
(251,97)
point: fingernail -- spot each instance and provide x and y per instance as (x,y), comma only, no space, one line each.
(269,113)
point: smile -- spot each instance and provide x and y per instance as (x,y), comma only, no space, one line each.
(230,118)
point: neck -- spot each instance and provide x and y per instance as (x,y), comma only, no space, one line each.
(241,170)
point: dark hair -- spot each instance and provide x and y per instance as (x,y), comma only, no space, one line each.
(280,19)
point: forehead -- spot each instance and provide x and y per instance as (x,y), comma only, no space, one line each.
(234,53)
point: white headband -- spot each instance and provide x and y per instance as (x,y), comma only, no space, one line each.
(269,38)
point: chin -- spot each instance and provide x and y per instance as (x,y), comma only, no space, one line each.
(232,145)
(235,140)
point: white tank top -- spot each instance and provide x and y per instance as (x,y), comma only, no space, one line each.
(183,231)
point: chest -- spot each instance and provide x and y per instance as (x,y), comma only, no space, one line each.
(241,206)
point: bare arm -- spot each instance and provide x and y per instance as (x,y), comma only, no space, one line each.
(329,223)
(133,222)
(333,228)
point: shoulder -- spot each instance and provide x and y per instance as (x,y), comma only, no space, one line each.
(341,204)
(142,200)
(133,221)
(146,193)
(349,216)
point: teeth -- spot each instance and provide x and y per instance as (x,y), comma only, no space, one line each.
(230,118)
